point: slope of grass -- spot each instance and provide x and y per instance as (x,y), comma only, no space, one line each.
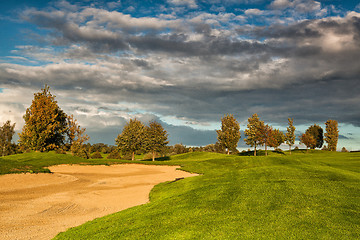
(36,162)
(302,196)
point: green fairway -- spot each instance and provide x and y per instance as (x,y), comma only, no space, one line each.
(302,196)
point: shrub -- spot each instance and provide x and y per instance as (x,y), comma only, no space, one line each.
(80,151)
(344,150)
(114,154)
(60,151)
(96,155)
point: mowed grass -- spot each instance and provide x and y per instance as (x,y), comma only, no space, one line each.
(302,196)
(36,162)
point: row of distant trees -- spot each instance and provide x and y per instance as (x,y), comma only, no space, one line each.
(260,134)
(47,128)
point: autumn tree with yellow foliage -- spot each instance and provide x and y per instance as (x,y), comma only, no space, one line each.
(47,127)
(45,123)
(229,134)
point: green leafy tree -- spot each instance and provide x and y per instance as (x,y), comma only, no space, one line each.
(308,140)
(6,134)
(229,134)
(276,139)
(131,138)
(332,134)
(252,132)
(77,138)
(290,134)
(179,148)
(96,155)
(45,123)
(317,132)
(156,138)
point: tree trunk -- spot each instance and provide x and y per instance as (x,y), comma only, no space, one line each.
(133,156)
(3,153)
(255,151)
(265,149)
(153,156)
(290,149)
(228,152)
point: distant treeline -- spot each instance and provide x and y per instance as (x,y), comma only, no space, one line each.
(48,128)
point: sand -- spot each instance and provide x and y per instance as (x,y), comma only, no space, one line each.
(39,206)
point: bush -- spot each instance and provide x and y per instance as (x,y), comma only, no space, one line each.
(115,154)
(96,155)
(127,156)
(60,151)
(344,150)
(80,151)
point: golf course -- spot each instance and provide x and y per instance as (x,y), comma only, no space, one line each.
(314,195)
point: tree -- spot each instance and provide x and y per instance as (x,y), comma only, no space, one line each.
(155,138)
(276,139)
(308,140)
(45,123)
(252,132)
(179,148)
(131,138)
(6,134)
(317,132)
(332,134)
(77,137)
(229,134)
(264,133)
(290,134)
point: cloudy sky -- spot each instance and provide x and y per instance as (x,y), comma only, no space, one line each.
(185,63)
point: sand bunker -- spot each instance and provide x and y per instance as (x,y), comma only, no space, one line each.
(39,206)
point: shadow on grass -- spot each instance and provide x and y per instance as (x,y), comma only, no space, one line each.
(260,153)
(159,159)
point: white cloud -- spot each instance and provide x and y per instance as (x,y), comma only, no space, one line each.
(280,4)
(189,3)
(112,5)
(302,6)
(253,11)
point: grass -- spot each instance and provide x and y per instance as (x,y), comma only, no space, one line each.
(302,196)
(36,162)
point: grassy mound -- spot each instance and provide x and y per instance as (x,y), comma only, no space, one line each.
(302,196)
(36,162)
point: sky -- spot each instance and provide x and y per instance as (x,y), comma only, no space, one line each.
(185,64)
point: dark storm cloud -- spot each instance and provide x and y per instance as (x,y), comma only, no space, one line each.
(343,137)
(295,31)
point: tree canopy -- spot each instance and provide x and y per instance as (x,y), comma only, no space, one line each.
(45,123)
(229,134)
(156,138)
(290,134)
(265,133)
(253,132)
(308,140)
(332,134)
(77,137)
(131,138)
(276,139)
(317,132)
(6,134)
